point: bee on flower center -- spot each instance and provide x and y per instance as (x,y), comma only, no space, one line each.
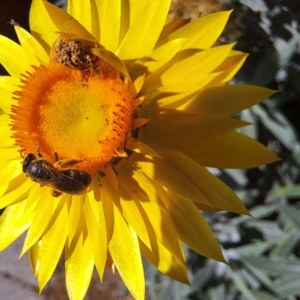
(60,177)
(74,55)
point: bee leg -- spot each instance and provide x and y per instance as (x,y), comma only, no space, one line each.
(56,157)
(66,163)
(38,149)
(55,193)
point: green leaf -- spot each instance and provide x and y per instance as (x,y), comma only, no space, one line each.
(203,276)
(269,229)
(259,273)
(241,286)
(285,246)
(292,213)
(275,265)
(252,249)
(262,211)
(291,191)
(278,125)
(288,285)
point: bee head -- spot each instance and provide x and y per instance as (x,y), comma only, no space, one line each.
(27,161)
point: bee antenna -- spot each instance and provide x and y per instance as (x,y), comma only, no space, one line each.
(21,151)
(38,149)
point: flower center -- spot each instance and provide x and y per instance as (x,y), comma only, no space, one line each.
(82,115)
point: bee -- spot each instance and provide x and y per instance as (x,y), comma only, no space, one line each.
(60,176)
(75,55)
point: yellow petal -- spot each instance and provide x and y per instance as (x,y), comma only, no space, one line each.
(7,142)
(127,207)
(190,86)
(79,263)
(12,57)
(6,99)
(111,59)
(34,51)
(229,67)
(136,86)
(228,100)
(144,194)
(206,61)
(164,173)
(189,128)
(167,121)
(160,56)
(12,170)
(203,32)
(209,144)
(108,209)
(218,193)
(97,236)
(165,262)
(34,195)
(139,122)
(111,176)
(18,193)
(40,220)
(41,25)
(75,210)
(95,22)
(174,100)
(169,28)
(81,11)
(53,242)
(66,23)
(150,18)
(125,252)
(140,147)
(34,257)
(190,225)
(8,155)
(94,196)
(7,86)
(231,150)
(13,222)
(108,13)
(132,214)
(168,82)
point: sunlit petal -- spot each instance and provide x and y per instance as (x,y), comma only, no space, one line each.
(34,51)
(53,242)
(79,263)
(211,26)
(125,252)
(97,236)
(65,22)
(81,11)
(9,50)
(13,222)
(41,25)
(143,18)
(108,12)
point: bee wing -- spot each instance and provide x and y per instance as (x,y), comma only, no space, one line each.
(70,181)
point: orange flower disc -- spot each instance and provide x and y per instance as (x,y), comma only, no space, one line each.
(81,112)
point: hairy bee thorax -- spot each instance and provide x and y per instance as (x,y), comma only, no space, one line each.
(76,54)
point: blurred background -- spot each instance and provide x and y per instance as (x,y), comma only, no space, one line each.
(263,252)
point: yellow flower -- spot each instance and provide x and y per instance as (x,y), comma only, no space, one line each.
(117,115)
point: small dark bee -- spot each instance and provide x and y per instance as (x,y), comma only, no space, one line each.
(75,55)
(59,176)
